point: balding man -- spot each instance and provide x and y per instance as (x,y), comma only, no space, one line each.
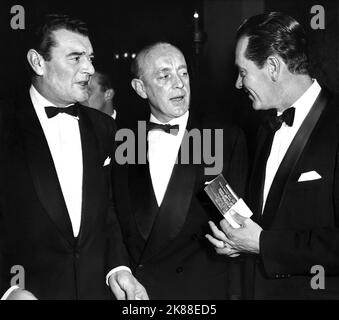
(162,206)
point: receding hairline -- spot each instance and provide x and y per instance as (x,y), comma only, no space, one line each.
(145,52)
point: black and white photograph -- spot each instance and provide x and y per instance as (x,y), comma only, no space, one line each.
(183,153)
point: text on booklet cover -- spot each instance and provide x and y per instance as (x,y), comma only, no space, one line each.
(224,198)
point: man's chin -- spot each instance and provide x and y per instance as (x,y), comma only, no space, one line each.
(82,98)
(257,106)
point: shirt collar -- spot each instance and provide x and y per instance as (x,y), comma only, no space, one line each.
(40,102)
(304,104)
(181,121)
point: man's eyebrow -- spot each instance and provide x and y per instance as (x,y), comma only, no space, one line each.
(76,53)
(165,69)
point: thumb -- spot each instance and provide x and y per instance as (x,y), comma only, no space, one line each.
(239,219)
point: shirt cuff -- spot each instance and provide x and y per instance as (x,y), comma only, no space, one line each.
(9,291)
(116,270)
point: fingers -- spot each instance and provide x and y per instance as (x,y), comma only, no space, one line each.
(130,290)
(229,251)
(222,247)
(20,294)
(141,293)
(216,243)
(126,287)
(117,291)
(218,234)
(239,219)
(226,227)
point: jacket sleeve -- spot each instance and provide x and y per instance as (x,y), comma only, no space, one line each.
(117,254)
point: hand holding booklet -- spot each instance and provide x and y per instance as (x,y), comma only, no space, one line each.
(225,199)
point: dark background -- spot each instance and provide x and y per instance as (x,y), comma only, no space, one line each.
(119,26)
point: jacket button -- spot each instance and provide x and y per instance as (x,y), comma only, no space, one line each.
(180,269)
(140,266)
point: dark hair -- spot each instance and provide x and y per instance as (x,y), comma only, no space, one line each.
(104,81)
(275,33)
(41,35)
(136,66)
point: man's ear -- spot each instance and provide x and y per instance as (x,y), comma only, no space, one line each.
(109,94)
(139,88)
(274,67)
(36,61)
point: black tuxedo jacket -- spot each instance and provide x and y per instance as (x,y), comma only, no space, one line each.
(300,223)
(35,228)
(169,253)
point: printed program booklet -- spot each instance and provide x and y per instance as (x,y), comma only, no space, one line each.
(224,198)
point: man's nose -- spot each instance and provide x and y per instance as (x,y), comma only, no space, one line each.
(178,82)
(88,66)
(238,82)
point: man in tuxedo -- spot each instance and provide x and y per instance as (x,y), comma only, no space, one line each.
(57,220)
(101,94)
(161,203)
(292,246)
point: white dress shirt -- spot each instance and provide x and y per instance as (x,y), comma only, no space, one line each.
(284,136)
(162,153)
(63,137)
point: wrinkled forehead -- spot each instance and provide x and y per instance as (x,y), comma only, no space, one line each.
(163,56)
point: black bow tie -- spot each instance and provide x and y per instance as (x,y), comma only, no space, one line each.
(164,127)
(287,116)
(53,111)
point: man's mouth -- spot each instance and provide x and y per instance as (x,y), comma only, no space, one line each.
(249,94)
(83,83)
(178,98)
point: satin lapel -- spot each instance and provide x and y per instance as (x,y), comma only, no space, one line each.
(175,206)
(143,202)
(256,185)
(42,169)
(276,193)
(93,178)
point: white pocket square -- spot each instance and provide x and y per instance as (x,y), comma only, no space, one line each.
(308,176)
(107,161)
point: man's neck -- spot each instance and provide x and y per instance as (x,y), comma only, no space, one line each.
(295,87)
(44,92)
(108,108)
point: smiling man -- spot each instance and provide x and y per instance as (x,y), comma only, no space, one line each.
(162,206)
(56,215)
(292,187)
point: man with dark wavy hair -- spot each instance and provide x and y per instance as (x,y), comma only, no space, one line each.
(294,232)
(57,220)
